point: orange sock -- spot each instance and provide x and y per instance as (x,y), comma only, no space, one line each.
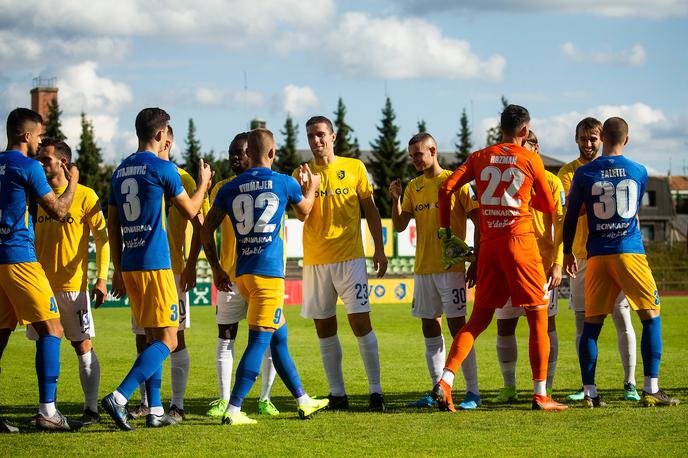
(538,344)
(463,341)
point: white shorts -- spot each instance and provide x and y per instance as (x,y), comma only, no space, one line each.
(231,307)
(577,286)
(435,294)
(184,310)
(75,316)
(509,312)
(324,282)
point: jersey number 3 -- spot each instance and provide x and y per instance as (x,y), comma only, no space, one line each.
(494,176)
(243,207)
(132,204)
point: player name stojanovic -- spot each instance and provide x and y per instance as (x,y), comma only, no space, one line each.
(131,170)
(255,186)
(613,173)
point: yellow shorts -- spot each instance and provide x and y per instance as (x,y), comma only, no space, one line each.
(152,297)
(608,275)
(25,295)
(265,297)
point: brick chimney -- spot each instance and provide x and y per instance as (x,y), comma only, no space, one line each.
(42,95)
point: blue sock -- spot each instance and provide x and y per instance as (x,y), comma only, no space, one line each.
(147,363)
(249,366)
(153,385)
(651,346)
(587,352)
(284,364)
(47,367)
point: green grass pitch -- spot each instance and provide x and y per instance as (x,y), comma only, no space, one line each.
(622,428)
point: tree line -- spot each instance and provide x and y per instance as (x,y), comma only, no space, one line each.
(387,160)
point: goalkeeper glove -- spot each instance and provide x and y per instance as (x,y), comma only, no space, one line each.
(454,250)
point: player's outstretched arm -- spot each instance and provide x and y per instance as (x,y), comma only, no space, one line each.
(190,206)
(400,218)
(115,235)
(58,207)
(210,224)
(461,176)
(310,183)
(372,216)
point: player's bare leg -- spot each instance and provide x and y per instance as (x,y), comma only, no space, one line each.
(507,355)
(89,375)
(368,348)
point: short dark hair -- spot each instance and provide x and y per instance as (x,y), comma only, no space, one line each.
(62,149)
(588,123)
(421,137)
(149,122)
(17,119)
(241,136)
(320,120)
(513,118)
(532,138)
(170,131)
(614,131)
(259,142)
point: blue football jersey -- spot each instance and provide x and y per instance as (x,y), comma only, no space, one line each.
(138,189)
(22,181)
(611,187)
(255,202)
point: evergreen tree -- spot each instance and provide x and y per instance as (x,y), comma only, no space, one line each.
(192,153)
(494,134)
(221,167)
(388,161)
(53,125)
(344,145)
(92,172)
(287,158)
(464,146)
(422,126)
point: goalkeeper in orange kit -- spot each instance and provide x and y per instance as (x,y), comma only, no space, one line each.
(509,263)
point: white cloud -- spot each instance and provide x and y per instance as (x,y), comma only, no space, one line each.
(396,48)
(654,137)
(298,101)
(633,56)
(82,89)
(612,8)
(219,98)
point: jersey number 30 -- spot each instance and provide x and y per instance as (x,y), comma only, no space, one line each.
(243,207)
(621,199)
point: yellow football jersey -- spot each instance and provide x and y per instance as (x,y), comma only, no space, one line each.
(549,227)
(332,232)
(579,242)
(177,224)
(227,241)
(420,200)
(62,246)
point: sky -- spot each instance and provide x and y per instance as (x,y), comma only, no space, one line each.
(224,62)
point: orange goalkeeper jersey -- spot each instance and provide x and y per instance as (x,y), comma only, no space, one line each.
(505,176)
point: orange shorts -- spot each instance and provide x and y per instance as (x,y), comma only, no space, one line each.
(510,267)
(611,274)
